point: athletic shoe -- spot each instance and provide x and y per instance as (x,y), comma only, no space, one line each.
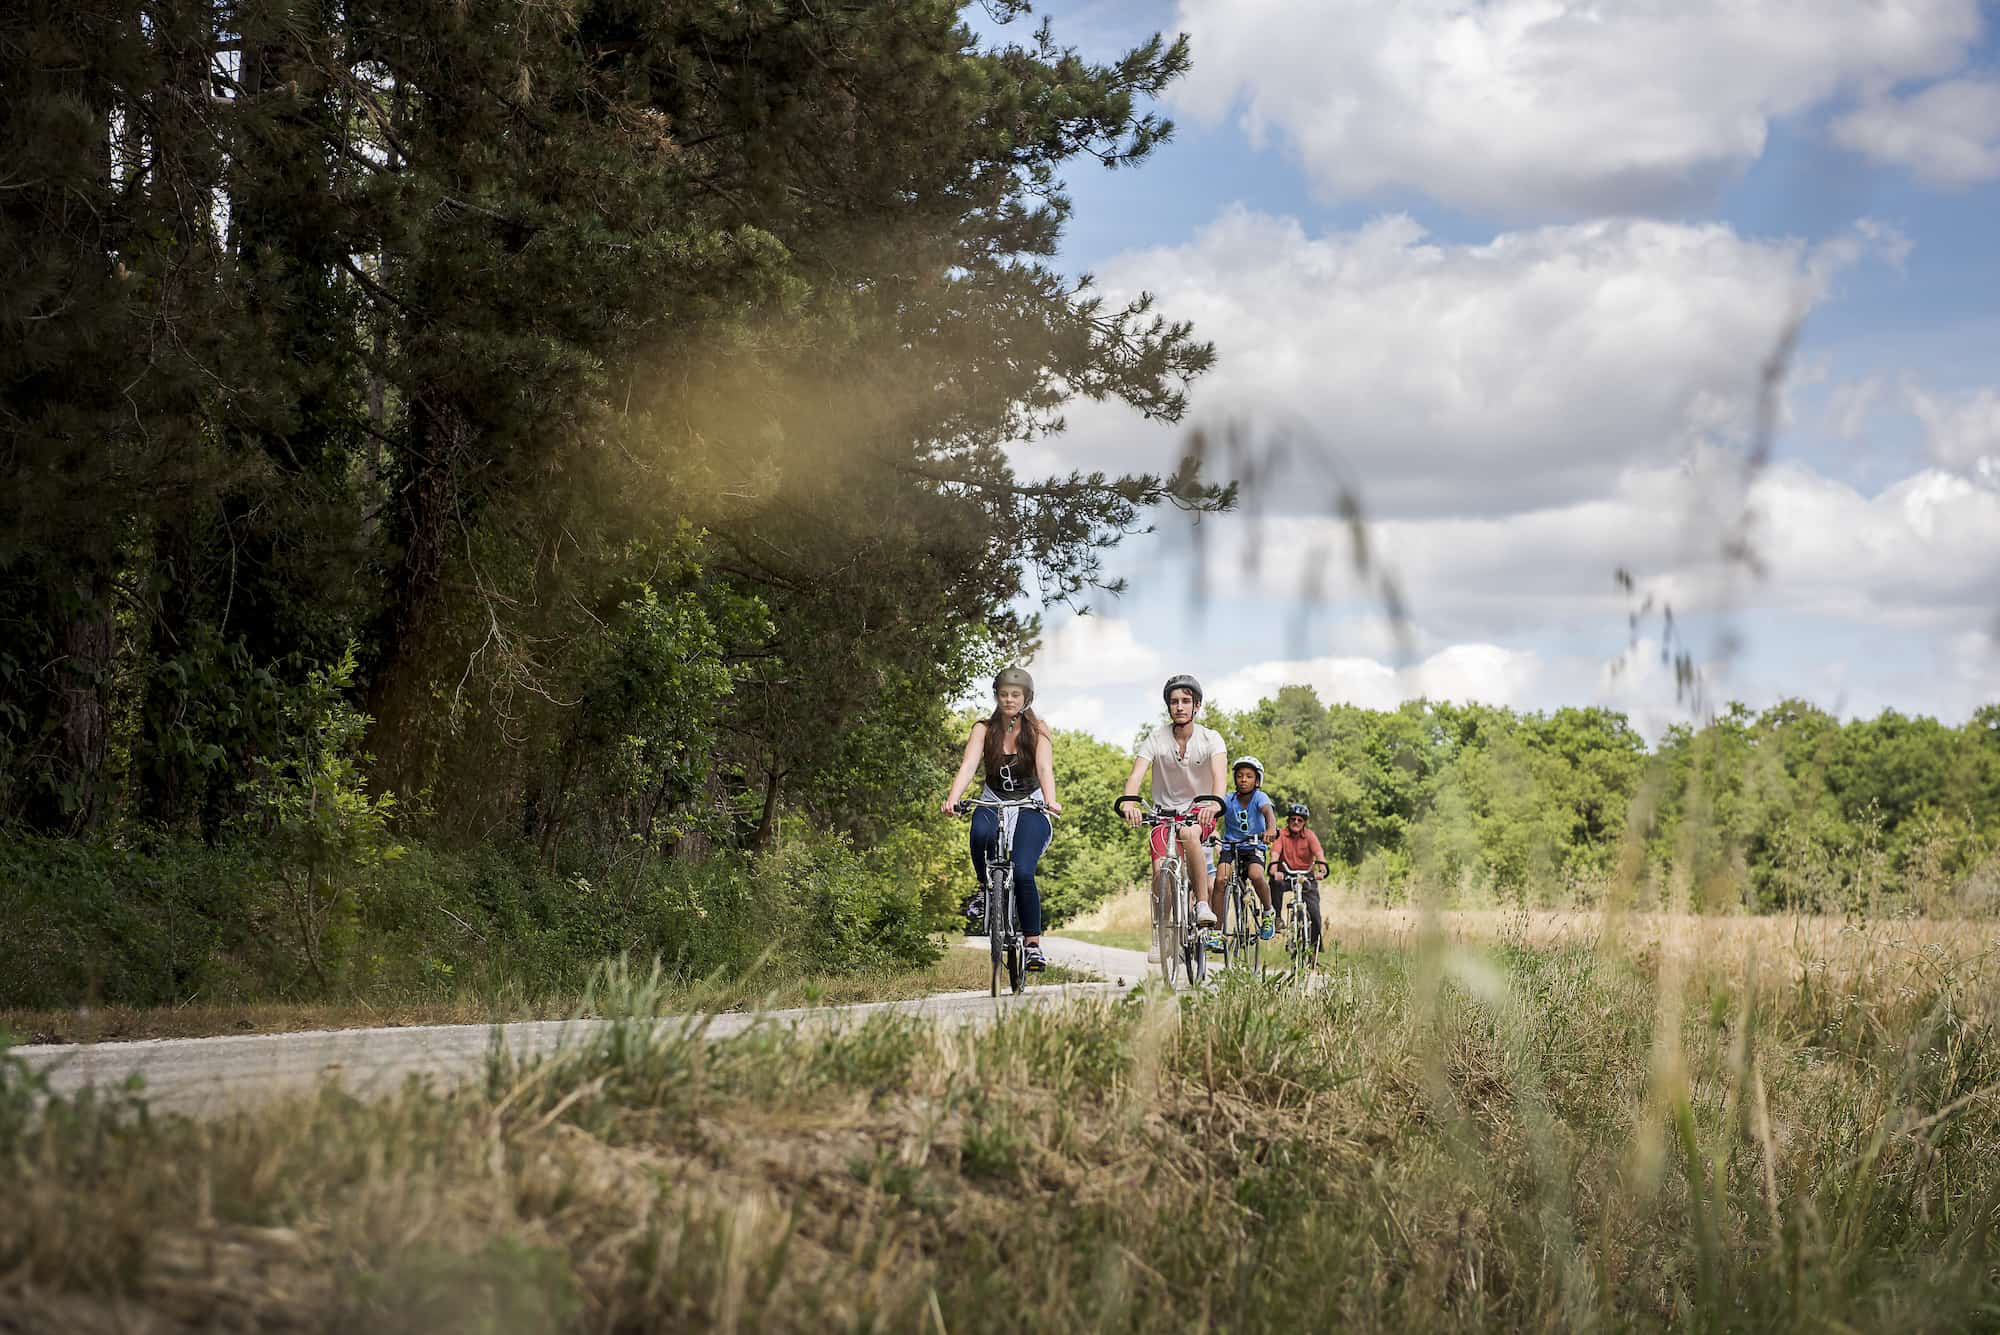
(1035,961)
(1153,953)
(1268,930)
(974,911)
(1213,940)
(1204,916)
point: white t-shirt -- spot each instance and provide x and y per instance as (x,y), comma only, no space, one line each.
(1177,781)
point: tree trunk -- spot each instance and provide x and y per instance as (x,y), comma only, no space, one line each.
(767,827)
(80,612)
(441,438)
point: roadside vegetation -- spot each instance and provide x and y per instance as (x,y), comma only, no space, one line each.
(760,987)
(1524,1135)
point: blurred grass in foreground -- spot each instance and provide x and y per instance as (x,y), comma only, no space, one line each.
(1444,1136)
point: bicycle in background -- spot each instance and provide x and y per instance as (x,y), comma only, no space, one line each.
(1300,946)
(1003,916)
(1176,934)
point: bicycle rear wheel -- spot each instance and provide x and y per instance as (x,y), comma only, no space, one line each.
(1194,950)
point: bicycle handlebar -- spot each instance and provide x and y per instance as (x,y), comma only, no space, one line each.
(966,806)
(1319,869)
(1169,816)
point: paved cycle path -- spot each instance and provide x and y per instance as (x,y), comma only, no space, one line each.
(209,1076)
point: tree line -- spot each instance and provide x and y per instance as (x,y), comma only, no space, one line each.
(1785,808)
(625,384)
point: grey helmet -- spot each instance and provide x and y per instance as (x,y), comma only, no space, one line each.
(1298,809)
(1014,676)
(1181,681)
(1252,762)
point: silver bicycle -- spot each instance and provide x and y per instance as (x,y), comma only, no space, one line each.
(1004,939)
(1176,933)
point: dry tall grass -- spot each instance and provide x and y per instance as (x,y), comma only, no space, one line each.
(1527,1134)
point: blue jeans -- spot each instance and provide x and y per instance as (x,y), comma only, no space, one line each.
(1031,836)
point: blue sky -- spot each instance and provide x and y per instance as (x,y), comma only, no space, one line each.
(1511,267)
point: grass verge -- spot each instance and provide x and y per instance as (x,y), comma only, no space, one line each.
(957,970)
(1439,1137)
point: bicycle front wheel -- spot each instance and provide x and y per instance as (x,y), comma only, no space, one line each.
(1167,930)
(999,921)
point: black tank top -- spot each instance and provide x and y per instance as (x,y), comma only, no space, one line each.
(1015,777)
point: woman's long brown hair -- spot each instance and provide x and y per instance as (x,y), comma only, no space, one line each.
(996,728)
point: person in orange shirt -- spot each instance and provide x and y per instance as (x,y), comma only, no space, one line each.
(1297,849)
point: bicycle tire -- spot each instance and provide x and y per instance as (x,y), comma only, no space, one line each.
(1194,949)
(999,921)
(1166,925)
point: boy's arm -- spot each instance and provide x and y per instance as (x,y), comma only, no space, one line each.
(1138,774)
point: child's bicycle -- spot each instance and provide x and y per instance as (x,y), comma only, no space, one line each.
(1300,946)
(1242,946)
(1003,915)
(1176,934)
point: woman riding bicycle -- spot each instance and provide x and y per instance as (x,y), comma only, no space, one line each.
(1012,748)
(1249,822)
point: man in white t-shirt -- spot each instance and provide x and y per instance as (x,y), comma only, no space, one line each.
(1188,761)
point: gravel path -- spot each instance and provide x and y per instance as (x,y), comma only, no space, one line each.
(208,1076)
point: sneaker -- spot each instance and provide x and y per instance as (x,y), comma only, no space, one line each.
(1204,916)
(974,911)
(1033,959)
(1213,940)
(1268,930)
(1153,953)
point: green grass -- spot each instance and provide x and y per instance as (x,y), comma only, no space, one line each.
(1124,940)
(1436,1138)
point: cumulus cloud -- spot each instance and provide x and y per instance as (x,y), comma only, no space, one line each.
(1486,673)
(1923,554)
(1547,108)
(1947,134)
(1963,433)
(1469,379)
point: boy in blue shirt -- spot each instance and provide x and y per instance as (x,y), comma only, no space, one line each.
(1249,823)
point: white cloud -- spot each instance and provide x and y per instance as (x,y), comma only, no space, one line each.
(1947,134)
(1963,434)
(1540,108)
(1456,379)
(1101,649)
(1923,554)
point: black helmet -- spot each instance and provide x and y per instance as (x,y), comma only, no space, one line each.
(1014,676)
(1298,809)
(1181,681)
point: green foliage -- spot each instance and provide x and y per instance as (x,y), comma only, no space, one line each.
(1788,809)
(321,830)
